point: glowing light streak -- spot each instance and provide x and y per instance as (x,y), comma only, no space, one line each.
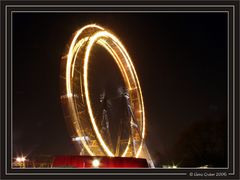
(126,150)
(68,79)
(87,96)
(123,60)
(76,49)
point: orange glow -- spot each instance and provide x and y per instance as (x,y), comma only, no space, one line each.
(84,40)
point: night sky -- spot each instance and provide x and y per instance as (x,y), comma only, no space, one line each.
(181,62)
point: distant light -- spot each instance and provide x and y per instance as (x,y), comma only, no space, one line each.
(170,166)
(204,167)
(76,139)
(20,159)
(95,163)
(86,138)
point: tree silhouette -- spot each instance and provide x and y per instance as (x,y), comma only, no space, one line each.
(203,143)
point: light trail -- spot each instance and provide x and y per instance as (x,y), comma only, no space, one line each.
(84,41)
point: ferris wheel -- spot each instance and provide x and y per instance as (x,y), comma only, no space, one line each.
(91,131)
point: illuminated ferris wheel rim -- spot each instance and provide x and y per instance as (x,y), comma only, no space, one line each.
(112,44)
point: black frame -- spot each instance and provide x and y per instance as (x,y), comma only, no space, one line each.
(232,7)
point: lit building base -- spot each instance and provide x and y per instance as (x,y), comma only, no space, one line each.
(99,162)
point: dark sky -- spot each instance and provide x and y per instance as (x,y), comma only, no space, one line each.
(181,61)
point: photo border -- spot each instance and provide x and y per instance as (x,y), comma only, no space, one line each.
(10,7)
